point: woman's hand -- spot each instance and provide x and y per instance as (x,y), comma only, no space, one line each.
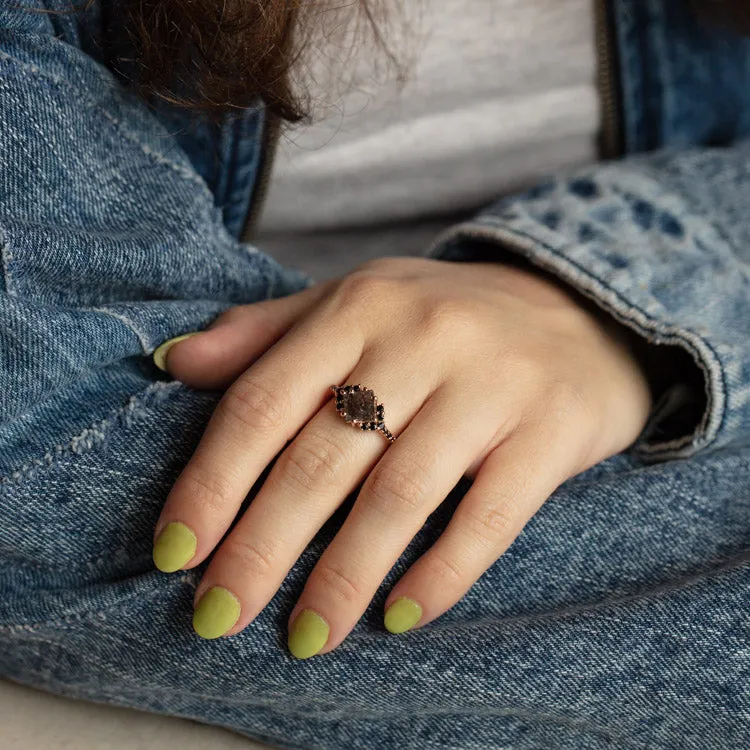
(484,369)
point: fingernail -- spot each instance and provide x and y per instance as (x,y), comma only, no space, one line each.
(160,353)
(174,547)
(402,615)
(308,634)
(217,611)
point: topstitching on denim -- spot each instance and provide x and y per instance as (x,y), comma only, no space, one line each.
(96,435)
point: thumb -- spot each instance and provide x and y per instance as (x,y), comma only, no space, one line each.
(212,359)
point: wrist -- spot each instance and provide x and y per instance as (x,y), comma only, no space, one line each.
(675,380)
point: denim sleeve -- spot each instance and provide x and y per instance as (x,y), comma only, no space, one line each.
(661,243)
(110,241)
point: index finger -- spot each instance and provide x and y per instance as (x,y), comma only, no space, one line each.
(259,413)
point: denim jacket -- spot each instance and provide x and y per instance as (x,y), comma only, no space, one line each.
(123,225)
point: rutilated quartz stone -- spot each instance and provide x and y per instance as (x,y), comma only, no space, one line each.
(359,406)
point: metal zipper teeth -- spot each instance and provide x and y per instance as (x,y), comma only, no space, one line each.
(610,143)
(270,140)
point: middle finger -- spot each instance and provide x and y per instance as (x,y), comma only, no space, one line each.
(413,477)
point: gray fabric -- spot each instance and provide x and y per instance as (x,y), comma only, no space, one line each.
(334,253)
(499,92)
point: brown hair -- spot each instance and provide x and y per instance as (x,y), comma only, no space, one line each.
(217,55)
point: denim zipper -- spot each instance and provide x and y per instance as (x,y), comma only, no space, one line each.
(611,144)
(269,143)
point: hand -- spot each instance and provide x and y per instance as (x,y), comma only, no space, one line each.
(484,369)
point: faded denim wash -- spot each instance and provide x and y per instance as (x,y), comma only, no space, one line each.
(620,616)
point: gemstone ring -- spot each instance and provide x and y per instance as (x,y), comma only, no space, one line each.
(360,408)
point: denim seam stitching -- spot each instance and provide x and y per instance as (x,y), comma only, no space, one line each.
(120,128)
(266,704)
(665,81)
(387,715)
(348,713)
(94,435)
(333,716)
(127,601)
(630,77)
(142,338)
(91,564)
(5,256)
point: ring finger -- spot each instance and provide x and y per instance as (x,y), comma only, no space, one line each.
(408,483)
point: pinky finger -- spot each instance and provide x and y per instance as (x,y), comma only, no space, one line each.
(512,484)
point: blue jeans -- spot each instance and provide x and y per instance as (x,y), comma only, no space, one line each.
(617,619)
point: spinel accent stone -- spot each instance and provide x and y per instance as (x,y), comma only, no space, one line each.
(360,406)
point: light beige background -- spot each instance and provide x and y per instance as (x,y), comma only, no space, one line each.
(33,720)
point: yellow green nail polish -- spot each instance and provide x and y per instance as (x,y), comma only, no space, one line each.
(308,634)
(174,547)
(160,353)
(217,611)
(402,615)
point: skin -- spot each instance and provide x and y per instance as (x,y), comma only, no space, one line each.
(486,370)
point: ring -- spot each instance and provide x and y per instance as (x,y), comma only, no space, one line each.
(360,408)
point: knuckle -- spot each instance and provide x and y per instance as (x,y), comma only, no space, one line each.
(395,489)
(443,572)
(254,558)
(345,587)
(571,412)
(364,287)
(209,491)
(489,525)
(451,317)
(313,462)
(253,405)
(568,403)
(380,264)
(531,370)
